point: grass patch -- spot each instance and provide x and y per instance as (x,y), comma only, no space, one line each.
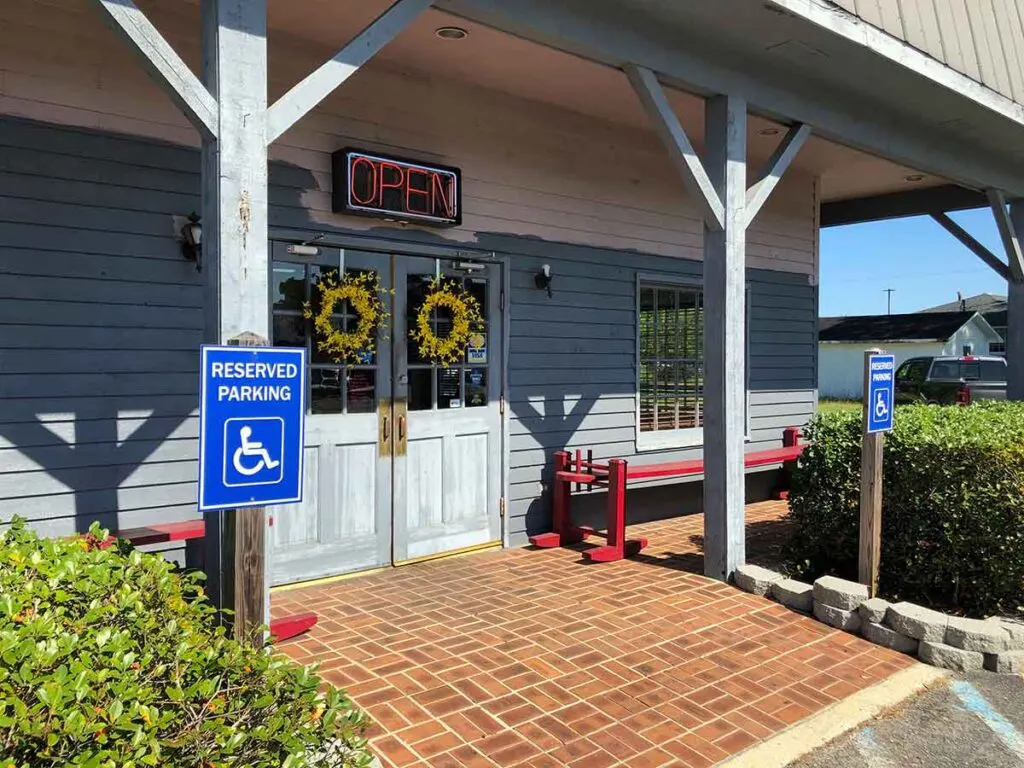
(839,406)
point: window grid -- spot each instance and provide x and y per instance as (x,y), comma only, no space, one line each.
(329,383)
(671,357)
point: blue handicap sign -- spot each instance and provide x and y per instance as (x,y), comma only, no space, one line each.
(251,426)
(881,391)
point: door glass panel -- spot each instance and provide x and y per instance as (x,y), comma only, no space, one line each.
(335,387)
(325,395)
(288,283)
(464,384)
(421,389)
(476,387)
(449,388)
(361,390)
(289,331)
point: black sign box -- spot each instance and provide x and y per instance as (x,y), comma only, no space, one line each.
(372,184)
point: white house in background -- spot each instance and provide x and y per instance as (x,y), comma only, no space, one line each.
(842,342)
(991,306)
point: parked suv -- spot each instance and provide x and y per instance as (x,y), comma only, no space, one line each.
(949,380)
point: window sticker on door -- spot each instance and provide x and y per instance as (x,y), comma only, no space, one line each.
(476,354)
(455,404)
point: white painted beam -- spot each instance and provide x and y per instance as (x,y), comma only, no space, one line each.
(774,169)
(163,64)
(234,208)
(1008,232)
(684,157)
(972,244)
(319,84)
(724,340)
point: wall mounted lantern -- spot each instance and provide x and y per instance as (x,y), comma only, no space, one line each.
(192,240)
(543,279)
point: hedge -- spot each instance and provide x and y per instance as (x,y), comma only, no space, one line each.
(110,657)
(953,505)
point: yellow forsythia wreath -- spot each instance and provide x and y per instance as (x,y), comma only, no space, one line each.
(363,292)
(466,320)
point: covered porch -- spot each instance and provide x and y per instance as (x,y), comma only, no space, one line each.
(532,658)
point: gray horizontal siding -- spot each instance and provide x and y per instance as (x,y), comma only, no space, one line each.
(573,362)
(101,321)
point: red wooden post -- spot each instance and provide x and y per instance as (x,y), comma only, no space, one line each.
(790,438)
(617,547)
(560,511)
(616,505)
(561,525)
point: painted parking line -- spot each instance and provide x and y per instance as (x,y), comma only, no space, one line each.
(870,750)
(974,702)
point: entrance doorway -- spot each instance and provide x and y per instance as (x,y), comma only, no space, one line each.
(403,455)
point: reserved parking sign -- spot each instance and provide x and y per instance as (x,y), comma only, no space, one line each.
(251,426)
(881,390)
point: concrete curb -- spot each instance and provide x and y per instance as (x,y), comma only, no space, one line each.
(843,716)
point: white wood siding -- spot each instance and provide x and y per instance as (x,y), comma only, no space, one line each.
(983,39)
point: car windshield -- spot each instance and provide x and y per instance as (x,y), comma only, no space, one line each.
(969,370)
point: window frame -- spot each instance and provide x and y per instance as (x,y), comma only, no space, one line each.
(691,437)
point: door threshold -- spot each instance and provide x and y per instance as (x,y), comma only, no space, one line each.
(486,546)
(450,553)
(328,579)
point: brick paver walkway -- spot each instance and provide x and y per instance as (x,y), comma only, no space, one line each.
(531,658)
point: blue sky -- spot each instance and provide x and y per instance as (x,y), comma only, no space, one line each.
(920,260)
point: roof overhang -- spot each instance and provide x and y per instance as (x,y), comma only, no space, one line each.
(787,68)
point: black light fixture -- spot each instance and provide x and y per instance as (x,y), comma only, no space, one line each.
(192,240)
(543,279)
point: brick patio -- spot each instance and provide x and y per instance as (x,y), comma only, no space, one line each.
(531,658)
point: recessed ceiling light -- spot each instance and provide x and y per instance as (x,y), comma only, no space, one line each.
(451,33)
(914,177)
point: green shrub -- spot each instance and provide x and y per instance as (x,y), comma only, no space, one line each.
(109,657)
(953,505)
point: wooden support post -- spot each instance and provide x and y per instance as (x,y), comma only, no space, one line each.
(724,340)
(871,458)
(235,262)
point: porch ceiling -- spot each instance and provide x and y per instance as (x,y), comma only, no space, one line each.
(503,62)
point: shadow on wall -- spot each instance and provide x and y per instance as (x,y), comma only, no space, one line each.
(109,318)
(103,321)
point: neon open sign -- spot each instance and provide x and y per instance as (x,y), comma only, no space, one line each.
(393,188)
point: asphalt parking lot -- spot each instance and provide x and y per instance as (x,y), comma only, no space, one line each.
(973,720)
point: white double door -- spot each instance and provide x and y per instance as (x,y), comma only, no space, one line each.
(403,456)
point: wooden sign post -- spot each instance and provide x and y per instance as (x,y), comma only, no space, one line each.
(878,419)
(251,437)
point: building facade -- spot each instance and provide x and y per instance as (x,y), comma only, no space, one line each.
(843,341)
(584,236)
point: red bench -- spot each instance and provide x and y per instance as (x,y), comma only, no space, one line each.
(615,476)
(281,629)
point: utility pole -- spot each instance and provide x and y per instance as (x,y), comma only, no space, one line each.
(888,296)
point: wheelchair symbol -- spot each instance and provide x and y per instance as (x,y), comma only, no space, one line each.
(881,407)
(252,451)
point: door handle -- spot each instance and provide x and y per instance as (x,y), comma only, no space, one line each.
(384,422)
(401,410)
